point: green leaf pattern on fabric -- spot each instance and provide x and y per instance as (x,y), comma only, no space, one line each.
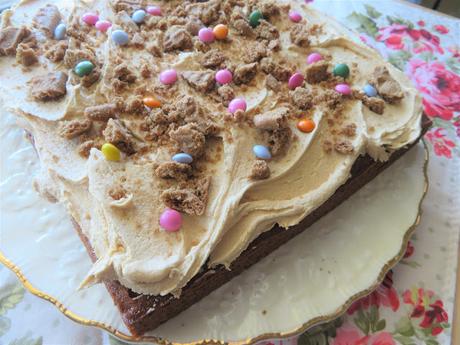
(372,12)
(10,296)
(5,324)
(27,340)
(364,23)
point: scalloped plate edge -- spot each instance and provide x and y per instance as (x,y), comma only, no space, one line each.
(249,341)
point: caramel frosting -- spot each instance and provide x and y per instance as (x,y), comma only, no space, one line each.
(118,204)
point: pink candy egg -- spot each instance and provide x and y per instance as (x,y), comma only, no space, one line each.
(206,35)
(314,57)
(90,18)
(224,76)
(295,80)
(153,10)
(295,16)
(237,104)
(168,77)
(103,25)
(171,220)
(344,89)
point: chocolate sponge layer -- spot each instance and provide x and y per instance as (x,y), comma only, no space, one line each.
(142,313)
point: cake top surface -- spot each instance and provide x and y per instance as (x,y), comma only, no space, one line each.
(176,132)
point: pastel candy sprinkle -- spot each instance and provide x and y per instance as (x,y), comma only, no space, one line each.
(314,57)
(171,220)
(168,77)
(220,31)
(206,35)
(295,80)
(262,152)
(138,16)
(254,18)
(237,104)
(153,10)
(224,76)
(369,90)
(103,25)
(90,18)
(151,102)
(295,16)
(306,125)
(120,37)
(59,31)
(184,158)
(83,68)
(111,152)
(341,70)
(344,89)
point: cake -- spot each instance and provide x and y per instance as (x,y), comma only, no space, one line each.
(189,139)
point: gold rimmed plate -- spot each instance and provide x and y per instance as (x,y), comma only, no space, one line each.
(313,279)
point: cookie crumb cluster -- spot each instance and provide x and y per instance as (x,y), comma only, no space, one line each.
(233,46)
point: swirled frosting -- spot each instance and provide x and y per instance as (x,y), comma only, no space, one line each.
(124,232)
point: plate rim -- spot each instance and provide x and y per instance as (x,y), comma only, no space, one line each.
(248,341)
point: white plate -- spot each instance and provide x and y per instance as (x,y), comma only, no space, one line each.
(309,280)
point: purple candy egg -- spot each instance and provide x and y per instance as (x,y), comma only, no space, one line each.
(168,77)
(153,10)
(344,89)
(314,57)
(224,76)
(295,80)
(171,220)
(206,35)
(237,104)
(103,25)
(295,16)
(90,18)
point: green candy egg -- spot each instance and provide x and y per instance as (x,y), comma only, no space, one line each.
(254,18)
(341,70)
(83,68)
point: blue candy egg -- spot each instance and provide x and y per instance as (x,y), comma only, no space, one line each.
(120,37)
(182,158)
(369,90)
(138,16)
(262,152)
(59,32)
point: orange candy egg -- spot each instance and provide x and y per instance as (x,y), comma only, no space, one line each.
(152,102)
(306,125)
(220,31)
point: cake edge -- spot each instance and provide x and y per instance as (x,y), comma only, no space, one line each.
(143,313)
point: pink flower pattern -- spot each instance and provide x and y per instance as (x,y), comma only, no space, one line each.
(434,69)
(439,87)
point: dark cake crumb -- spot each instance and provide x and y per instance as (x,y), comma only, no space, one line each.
(260,170)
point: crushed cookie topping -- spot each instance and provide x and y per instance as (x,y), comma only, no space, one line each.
(260,170)
(74,128)
(101,112)
(190,197)
(10,38)
(47,18)
(116,133)
(387,87)
(216,50)
(48,87)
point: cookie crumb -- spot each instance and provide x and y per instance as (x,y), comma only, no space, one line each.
(260,170)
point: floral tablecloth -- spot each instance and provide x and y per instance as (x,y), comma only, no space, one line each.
(414,304)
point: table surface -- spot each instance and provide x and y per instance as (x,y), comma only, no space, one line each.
(415,304)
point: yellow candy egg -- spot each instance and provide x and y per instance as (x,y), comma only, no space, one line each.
(111,152)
